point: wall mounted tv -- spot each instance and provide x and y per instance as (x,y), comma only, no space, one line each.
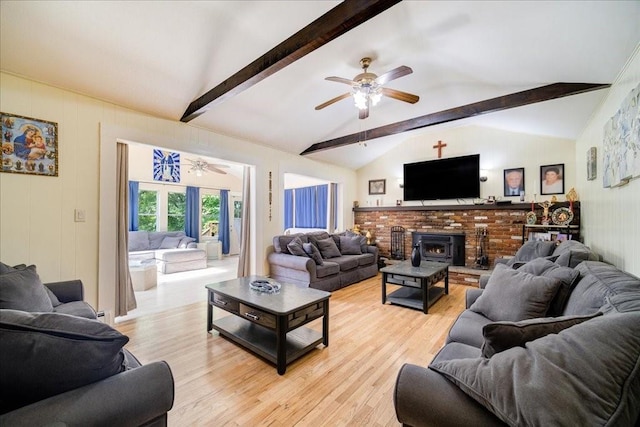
(453,178)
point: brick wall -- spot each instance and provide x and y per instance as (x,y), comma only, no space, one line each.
(503,225)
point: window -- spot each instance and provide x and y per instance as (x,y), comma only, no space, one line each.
(177,205)
(210,214)
(147,210)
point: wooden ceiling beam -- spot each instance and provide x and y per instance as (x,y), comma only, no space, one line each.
(339,20)
(518,99)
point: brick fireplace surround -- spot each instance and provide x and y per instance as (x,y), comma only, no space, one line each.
(503,223)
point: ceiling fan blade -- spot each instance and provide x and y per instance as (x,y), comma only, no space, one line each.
(400,96)
(401,71)
(334,100)
(216,170)
(341,80)
(363,114)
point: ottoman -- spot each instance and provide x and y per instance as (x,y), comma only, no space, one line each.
(176,260)
(144,275)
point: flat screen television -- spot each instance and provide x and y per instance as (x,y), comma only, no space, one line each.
(453,178)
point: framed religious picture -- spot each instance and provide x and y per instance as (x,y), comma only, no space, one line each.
(377,186)
(552,179)
(513,182)
(592,162)
(166,166)
(29,146)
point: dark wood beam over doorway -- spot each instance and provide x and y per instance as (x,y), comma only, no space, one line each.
(339,20)
(518,99)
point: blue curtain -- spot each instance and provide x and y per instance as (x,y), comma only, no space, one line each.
(133,205)
(322,200)
(305,207)
(192,214)
(223,225)
(288,209)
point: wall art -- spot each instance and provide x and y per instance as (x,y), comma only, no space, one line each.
(29,146)
(621,144)
(166,166)
(377,186)
(552,179)
(592,163)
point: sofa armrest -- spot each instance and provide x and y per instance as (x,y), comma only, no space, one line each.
(423,397)
(68,290)
(372,249)
(131,398)
(483,280)
(471,296)
(292,261)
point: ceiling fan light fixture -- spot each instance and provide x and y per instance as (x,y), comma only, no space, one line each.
(360,98)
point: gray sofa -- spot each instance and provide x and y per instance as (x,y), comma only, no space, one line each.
(322,261)
(172,251)
(568,253)
(59,365)
(540,345)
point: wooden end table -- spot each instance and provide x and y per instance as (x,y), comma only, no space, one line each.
(270,325)
(419,288)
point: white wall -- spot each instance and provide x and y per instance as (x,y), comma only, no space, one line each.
(610,216)
(36,213)
(498,150)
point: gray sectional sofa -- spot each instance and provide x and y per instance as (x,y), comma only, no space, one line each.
(540,345)
(321,260)
(61,366)
(172,251)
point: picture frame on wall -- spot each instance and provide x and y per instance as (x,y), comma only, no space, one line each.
(377,186)
(552,179)
(29,145)
(513,182)
(592,162)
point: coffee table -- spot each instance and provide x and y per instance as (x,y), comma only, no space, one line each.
(419,288)
(270,325)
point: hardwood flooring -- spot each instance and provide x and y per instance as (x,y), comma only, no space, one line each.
(350,382)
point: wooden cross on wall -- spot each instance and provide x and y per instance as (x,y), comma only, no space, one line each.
(439,146)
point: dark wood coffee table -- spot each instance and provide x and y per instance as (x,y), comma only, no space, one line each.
(419,288)
(269,325)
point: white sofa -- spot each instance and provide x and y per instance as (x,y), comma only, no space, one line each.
(172,251)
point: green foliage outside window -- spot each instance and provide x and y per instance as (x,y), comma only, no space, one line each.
(176,208)
(147,210)
(210,213)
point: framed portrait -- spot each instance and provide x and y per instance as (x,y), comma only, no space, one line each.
(552,179)
(166,166)
(378,186)
(29,146)
(513,182)
(592,162)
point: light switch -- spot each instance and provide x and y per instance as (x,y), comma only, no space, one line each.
(79,215)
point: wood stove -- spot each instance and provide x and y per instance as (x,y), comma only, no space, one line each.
(440,247)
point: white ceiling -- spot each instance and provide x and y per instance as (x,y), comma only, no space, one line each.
(157,57)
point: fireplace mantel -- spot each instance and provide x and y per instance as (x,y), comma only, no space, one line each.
(463,207)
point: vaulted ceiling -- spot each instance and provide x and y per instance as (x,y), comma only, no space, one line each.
(158,57)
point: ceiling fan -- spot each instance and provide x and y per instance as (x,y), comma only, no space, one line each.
(368,88)
(199,166)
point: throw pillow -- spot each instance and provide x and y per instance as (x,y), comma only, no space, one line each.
(44,354)
(350,245)
(568,277)
(328,248)
(284,240)
(313,253)
(138,241)
(170,242)
(585,373)
(501,336)
(184,242)
(531,250)
(515,295)
(22,290)
(295,247)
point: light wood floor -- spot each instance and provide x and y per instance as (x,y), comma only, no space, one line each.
(350,382)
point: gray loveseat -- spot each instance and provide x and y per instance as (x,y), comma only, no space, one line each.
(59,365)
(540,345)
(322,261)
(172,251)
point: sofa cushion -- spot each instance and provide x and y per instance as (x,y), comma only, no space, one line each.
(467,328)
(501,336)
(170,242)
(347,262)
(456,350)
(326,269)
(598,362)
(366,259)
(570,253)
(350,245)
(313,252)
(314,236)
(184,242)
(568,277)
(531,250)
(138,241)
(22,289)
(76,308)
(44,354)
(295,247)
(515,295)
(328,248)
(281,242)
(156,237)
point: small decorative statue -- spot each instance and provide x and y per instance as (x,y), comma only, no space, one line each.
(572,196)
(369,237)
(545,213)
(356,229)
